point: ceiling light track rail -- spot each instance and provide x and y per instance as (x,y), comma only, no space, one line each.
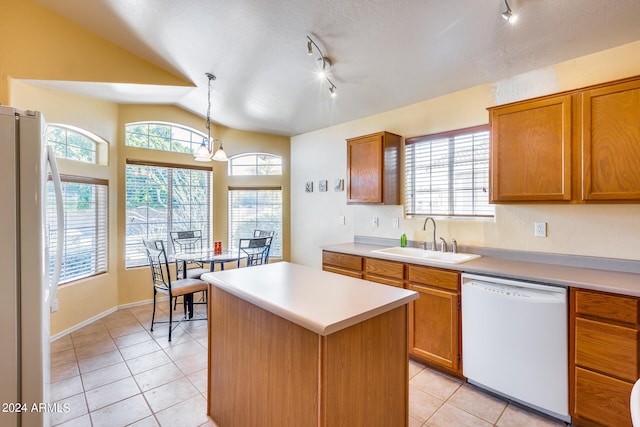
(325,64)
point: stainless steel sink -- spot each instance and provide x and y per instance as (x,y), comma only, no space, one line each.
(417,253)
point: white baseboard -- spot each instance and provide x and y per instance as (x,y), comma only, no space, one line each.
(100,316)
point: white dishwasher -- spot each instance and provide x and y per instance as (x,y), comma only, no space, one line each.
(514,341)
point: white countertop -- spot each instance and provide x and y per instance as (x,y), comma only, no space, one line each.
(577,277)
(317,300)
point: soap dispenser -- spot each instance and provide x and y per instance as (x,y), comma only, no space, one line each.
(403,240)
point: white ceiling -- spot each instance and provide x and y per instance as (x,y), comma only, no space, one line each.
(386,53)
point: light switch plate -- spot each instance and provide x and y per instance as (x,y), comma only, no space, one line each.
(341,220)
(375,221)
(396,222)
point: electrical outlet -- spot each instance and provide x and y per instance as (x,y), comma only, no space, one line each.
(396,222)
(540,229)
(376,221)
(54,305)
(341,220)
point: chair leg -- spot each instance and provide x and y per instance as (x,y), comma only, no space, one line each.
(153,314)
(170,317)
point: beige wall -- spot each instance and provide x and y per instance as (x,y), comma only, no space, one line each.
(603,230)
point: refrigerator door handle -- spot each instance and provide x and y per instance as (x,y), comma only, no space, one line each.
(57,186)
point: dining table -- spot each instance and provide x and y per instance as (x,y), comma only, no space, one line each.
(204,256)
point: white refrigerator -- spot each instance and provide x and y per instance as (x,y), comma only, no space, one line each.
(26,292)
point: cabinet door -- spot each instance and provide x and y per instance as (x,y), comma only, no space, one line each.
(531,150)
(364,169)
(433,326)
(601,399)
(611,142)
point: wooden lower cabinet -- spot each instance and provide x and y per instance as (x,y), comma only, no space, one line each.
(345,264)
(434,318)
(386,272)
(604,357)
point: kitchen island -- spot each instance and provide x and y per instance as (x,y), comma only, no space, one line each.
(296,346)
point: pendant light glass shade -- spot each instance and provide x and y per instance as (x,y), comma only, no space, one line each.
(220,155)
(202,154)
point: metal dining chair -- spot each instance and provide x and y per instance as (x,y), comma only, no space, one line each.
(255,250)
(264,233)
(188,241)
(162,283)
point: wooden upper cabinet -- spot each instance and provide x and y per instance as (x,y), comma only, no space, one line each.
(531,150)
(373,169)
(611,142)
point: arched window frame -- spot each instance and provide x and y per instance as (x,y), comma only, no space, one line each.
(147,134)
(250,164)
(75,143)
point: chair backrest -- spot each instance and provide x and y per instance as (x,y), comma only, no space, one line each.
(263,233)
(186,241)
(255,250)
(158,263)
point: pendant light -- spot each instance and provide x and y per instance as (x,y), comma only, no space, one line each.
(203,153)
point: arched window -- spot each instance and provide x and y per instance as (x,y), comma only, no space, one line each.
(73,143)
(255,164)
(163,136)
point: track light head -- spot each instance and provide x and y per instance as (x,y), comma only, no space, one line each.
(309,48)
(508,15)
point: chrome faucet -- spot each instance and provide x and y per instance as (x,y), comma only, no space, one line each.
(433,240)
(454,246)
(443,245)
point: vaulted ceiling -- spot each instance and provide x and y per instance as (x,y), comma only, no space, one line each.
(386,53)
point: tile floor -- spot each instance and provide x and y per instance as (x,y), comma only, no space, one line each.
(115,372)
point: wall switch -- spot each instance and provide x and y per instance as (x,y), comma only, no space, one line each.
(395,223)
(54,305)
(540,229)
(341,220)
(375,221)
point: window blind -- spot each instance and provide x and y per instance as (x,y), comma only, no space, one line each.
(447,174)
(85,227)
(252,208)
(161,198)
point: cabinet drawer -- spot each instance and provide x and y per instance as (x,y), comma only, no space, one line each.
(351,262)
(379,267)
(434,277)
(602,399)
(607,348)
(385,281)
(612,307)
(343,271)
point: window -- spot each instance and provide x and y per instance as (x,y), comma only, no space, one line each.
(255,208)
(255,164)
(447,174)
(85,227)
(163,136)
(165,198)
(72,143)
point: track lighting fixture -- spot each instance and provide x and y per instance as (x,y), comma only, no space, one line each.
(508,14)
(324,64)
(203,153)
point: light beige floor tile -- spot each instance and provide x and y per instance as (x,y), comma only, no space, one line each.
(91,328)
(170,394)
(118,319)
(63,357)
(76,405)
(449,415)
(200,380)
(99,361)
(158,376)
(148,361)
(435,383)
(90,339)
(415,368)
(146,422)
(66,388)
(105,375)
(414,423)
(422,405)
(82,421)
(193,363)
(111,393)
(209,423)
(192,412)
(94,349)
(136,337)
(121,413)
(515,416)
(184,349)
(61,344)
(63,371)
(480,404)
(121,331)
(140,349)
